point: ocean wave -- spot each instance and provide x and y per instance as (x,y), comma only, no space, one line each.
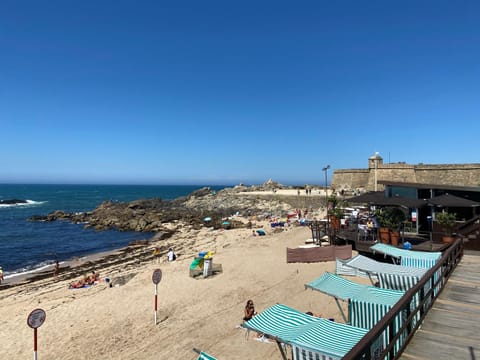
(31,269)
(28,203)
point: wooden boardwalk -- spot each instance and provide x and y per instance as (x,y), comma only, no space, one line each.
(451,329)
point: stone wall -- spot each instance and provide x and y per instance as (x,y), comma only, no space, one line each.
(350,179)
(449,174)
(442,174)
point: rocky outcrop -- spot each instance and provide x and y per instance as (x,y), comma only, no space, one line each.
(157,215)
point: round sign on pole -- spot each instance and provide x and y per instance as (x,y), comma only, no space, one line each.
(157,276)
(36,318)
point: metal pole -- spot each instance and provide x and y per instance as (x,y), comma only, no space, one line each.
(35,344)
(376,166)
(326,201)
(155,317)
(326,188)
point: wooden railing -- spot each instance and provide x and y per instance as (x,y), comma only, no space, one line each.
(434,280)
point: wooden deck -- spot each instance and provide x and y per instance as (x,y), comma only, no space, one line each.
(451,329)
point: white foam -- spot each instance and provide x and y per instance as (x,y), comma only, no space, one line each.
(27,203)
(24,271)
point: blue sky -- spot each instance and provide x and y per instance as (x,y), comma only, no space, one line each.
(222,92)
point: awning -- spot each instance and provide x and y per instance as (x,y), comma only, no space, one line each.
(304,331)
(390,276)
(448,200)
(378,198)
(367,305)
(203,355)
(344,289)
(418,259)
(376,267)
(341,268)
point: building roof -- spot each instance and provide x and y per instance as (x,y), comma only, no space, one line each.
(444,200)
(447,200)
(428,186)
(378,198)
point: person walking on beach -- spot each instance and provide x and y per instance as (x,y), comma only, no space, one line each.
(57,269)
(171,255)
(1,274)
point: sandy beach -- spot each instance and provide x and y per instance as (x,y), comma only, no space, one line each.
(103,322)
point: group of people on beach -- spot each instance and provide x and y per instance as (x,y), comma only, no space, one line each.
(86,280)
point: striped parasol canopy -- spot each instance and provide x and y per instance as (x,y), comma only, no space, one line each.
(344,289)
(306,332)
(367,304)
(390,276)
(418,259)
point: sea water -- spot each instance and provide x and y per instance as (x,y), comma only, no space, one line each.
(27,246)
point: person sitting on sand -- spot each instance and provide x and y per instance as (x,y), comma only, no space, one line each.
(91,279)
(249,311)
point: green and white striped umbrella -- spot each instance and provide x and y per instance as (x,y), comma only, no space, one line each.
(304,331)
(367,305)
(344,289)
(205,356)
(390,276)
(419,259)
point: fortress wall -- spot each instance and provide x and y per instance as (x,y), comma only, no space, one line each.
(449,174)
(350,179)
(445,174)
(393,172)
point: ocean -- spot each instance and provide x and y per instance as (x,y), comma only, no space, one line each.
(27,246)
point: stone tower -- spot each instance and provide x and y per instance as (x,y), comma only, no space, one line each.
(375,158)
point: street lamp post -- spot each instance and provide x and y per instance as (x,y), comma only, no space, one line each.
(326,169)
(326,200)
(376,158)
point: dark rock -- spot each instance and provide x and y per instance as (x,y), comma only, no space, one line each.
(38,218)
(13,201)
(150,215)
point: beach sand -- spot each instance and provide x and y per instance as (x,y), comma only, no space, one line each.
(103,322)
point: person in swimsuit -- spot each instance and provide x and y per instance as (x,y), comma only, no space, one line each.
(249,311)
